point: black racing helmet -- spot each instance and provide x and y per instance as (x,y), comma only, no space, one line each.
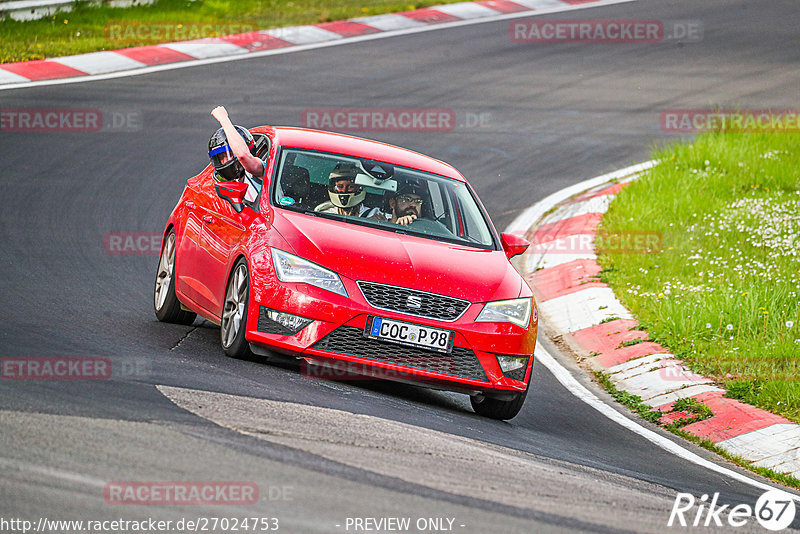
(221,155)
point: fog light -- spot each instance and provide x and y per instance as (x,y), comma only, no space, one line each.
(278,322)
(513,366)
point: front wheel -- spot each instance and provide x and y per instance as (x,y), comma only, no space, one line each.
(167,307)
(234,313)
(496,408)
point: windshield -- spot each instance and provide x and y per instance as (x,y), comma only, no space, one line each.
(373,193)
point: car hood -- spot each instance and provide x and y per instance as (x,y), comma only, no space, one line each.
(362,253)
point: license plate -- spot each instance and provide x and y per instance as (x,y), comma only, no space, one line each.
(435,339)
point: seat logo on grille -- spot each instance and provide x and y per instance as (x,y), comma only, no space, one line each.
(414,302)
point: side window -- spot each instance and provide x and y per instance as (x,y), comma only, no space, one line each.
(262,152)
(262,146)
(470,214)
(440,205)
(318,171)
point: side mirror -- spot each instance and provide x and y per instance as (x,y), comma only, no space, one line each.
(513,245)
(233,192)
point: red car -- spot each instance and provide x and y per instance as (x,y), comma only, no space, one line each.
(435,301)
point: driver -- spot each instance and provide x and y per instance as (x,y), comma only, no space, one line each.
(232,151)
(346,197)
(406,204)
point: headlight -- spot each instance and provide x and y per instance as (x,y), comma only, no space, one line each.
(291,268)
(517,311)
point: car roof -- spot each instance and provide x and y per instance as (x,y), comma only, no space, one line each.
(360,148)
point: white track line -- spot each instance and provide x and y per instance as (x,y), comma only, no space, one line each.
(577,389)
(312,46)
(521,224)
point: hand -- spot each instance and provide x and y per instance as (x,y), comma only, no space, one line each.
(220,113)
(405,220)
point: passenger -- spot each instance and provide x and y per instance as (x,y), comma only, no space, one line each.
(232,151)
(346,197)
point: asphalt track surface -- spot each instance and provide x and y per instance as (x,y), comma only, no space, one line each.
(321,451)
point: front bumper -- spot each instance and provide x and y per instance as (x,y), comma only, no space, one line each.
(335,338)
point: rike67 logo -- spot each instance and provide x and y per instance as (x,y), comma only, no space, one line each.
(774,510)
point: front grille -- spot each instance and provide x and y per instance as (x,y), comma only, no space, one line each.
(413,302)
(348,340)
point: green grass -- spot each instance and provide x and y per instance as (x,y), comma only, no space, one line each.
(723,293)
(631,342)
(90,29)
(697,409)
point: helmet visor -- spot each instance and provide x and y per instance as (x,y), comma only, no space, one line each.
(221,154)
(345,186)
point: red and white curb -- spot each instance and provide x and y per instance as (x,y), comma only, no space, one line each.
(145,59)
(584,312)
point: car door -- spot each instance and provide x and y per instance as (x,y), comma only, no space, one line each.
(223,230)
(190,255)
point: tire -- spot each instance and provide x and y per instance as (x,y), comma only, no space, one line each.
(165,302)
(234,313)
(496,408)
